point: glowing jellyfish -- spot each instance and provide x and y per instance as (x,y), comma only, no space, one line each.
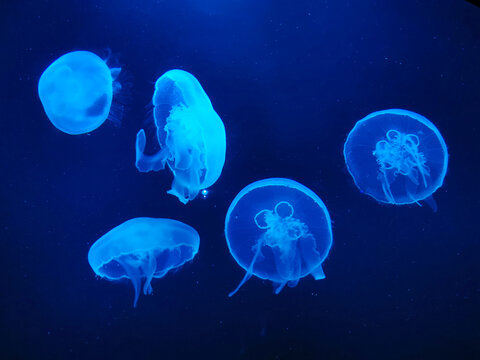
(141,249)
(397,157)
(278,230)
(190,133)
(76,91)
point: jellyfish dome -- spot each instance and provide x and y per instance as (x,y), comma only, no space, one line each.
(190,133)
(76,91)
(397,157)
(278,230)
(141,249)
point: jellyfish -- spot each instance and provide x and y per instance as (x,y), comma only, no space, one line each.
(76,92)
(142,249)
(190,133)
(279,230)
(397,157)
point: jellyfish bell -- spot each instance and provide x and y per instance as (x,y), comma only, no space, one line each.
(76,91)
(142,249)
(190,133)
(397,157)
(279,230)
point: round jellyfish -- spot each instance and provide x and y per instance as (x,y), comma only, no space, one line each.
(278,230)
(397,157)
(141,249)
(190,133)
(76,91)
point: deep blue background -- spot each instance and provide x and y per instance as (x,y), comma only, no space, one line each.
(289,79)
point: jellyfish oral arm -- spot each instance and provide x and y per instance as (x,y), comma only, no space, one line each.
(186,183)
(382,176)
(318,273)
(277,287)
(249,273)
(115,72)
(149,270)
(431,202)
(138,267)
(398,154)
(145,163)
(283,234)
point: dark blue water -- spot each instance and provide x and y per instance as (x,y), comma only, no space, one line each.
(289,79)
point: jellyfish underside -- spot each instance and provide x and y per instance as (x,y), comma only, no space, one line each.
(145,265)
(398,154)
(184,151)
(282,235)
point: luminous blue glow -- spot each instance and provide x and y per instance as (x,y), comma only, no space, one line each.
(141,249)
(204,193)
(397,157)
(76,92)
(278,230)
(190,133)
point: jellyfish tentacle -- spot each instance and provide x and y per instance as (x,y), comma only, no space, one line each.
(145,163)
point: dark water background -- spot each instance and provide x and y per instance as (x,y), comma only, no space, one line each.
(289,79)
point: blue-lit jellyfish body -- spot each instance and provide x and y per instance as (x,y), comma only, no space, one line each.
(397,157)
(141,249)
(190,133)
(278,230)
(76,91)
